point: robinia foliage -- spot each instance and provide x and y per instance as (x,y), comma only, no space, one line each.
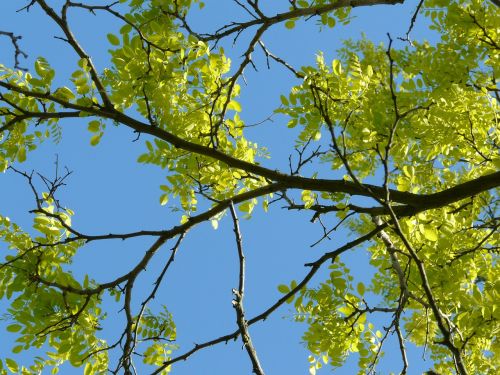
(419,120)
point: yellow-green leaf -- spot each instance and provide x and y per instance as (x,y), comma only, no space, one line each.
(164,199)
(94,126)
(113,39)
(88,369)
(12,365)
(21,154)
(283,288)
(361,288)
(431,233)
(215,223)
(14,328)
(234,105)
(94,141)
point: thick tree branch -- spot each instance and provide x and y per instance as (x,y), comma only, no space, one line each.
(413,203)
(33,260)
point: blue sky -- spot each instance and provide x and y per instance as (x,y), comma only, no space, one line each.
(110,192)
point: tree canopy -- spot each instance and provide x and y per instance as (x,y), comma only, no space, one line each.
(396,143)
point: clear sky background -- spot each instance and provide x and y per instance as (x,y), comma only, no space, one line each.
(110,192)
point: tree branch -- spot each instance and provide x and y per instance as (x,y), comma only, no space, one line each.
(62,22)
(412,203)
(315,266)
(17,50)
(295,13)
(238,301)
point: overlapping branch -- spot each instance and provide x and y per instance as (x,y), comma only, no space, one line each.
(268,21)
(410,203)
(315,266)
(62,22)
(391,202)
(445,325)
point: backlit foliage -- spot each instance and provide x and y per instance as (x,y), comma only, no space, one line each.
(419,118)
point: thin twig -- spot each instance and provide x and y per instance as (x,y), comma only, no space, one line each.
(238,300)
(315,266)
(17,50)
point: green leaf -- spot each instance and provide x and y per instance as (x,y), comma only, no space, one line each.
(283,288)
(83,63)
(12,365)
(346,310)
(113,39)
(234,105)
(41,67)
(164,199)
(369,71)
(21,154)
(14,327)
(361,289)
(284,100)
(215,223)
(143,158)
(94,140)
(94,126)
(336,67)
(88,369)
(125,29)
(64,93)
(431,233)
